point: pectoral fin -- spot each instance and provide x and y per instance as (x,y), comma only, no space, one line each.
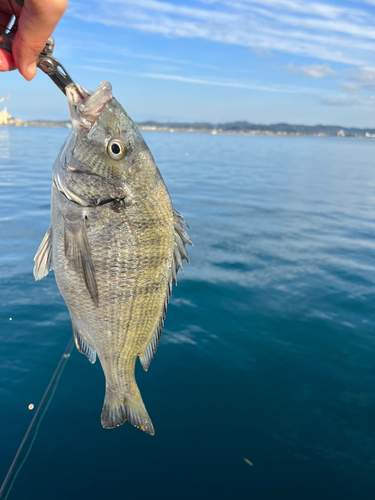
(43,258)
(78,253)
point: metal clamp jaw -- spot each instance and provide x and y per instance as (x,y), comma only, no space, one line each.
(46,62)
(52,67)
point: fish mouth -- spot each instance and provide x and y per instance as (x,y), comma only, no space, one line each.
(85,106)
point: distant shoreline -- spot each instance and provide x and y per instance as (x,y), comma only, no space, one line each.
(236,128)
(265,133)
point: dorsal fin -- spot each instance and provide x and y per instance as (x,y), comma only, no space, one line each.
(181,238)
(179,254)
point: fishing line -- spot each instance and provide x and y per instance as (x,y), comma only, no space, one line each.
(11,6)
(52,383)
(14,21)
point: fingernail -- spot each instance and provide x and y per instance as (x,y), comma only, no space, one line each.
(30,71)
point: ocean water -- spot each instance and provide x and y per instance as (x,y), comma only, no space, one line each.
(268,350)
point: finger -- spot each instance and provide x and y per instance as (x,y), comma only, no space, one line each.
(6,59)
(37,21)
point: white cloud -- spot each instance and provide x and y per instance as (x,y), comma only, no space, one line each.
(364,79)
(205,81)
(358,89)
(340,100)
(358,100)
(312,29)
(300,7)
(221,83)
(263,54)
(107,70)
(349,88)
(361,82)
(149,57)
(314,71)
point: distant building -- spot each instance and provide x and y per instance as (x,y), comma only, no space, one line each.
(341,133)
(5,117)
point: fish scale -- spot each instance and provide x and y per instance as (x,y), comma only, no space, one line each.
(115,244)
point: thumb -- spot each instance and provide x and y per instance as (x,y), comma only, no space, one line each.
(36,23)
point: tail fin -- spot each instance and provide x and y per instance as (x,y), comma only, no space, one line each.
(129,406)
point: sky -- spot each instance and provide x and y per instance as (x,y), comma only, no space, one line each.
(263,61)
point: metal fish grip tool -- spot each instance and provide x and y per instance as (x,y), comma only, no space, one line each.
(52,67)
(46,62)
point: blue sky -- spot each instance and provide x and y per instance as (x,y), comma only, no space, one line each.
(264,61)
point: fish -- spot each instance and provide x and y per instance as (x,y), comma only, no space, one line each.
(248,462)
(115,244)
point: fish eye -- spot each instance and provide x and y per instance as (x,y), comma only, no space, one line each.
(116,149)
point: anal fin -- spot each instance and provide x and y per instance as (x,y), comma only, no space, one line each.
(83,344)
(147,355)
(43,258)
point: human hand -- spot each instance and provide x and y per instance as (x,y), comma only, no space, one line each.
(36,21)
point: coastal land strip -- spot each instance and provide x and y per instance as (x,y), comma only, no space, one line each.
(234,128)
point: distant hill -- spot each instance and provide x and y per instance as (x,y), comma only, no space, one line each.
(239,127)
(246,127)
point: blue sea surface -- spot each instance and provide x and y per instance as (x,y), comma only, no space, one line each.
(268,350)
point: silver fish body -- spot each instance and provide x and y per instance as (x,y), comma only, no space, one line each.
(115,244)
